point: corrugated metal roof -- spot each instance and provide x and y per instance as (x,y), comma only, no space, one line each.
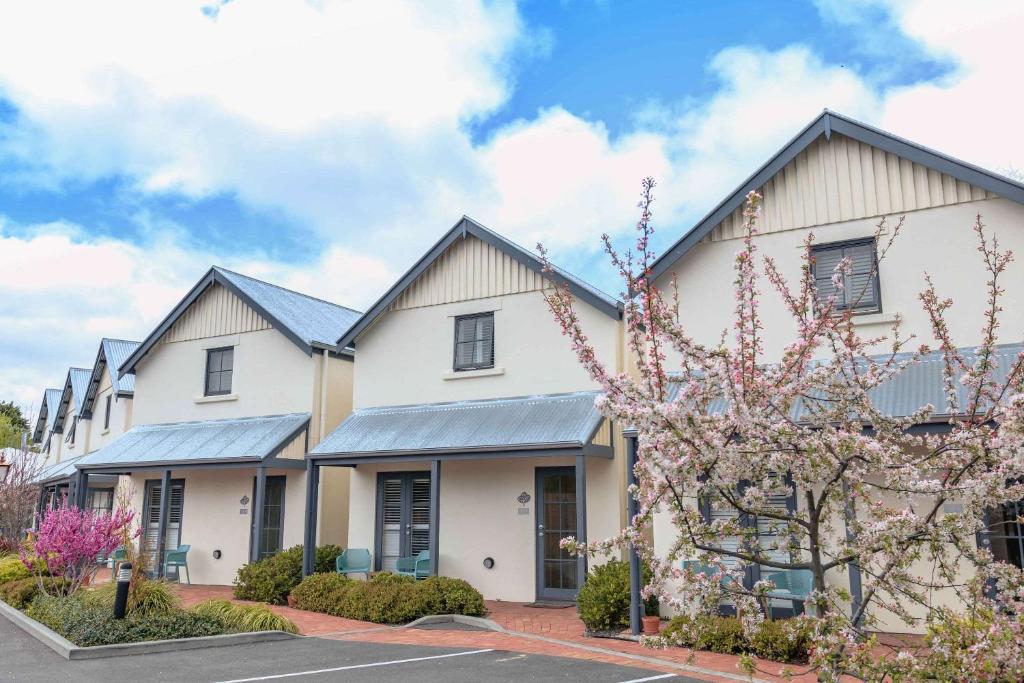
(498,424)
(79,385)
(57,471)
(248,438)
(47,413)
(52,404)
(116,352)
(312,320)
(918,385)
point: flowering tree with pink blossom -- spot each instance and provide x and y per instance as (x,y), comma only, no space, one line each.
(70,540)
(724,433)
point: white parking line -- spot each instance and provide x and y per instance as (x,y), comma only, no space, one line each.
(360,666)
(650,678)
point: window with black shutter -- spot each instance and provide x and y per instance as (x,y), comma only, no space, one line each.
(219,368)
(106,414)
(474,341)
(861,291)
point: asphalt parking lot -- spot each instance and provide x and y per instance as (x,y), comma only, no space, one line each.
(22,658)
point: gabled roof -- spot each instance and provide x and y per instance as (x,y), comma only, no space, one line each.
(307,321)
(76,384)
(467,226)
(524,423)
(111,354)
(48,408)
(824,125)
(58,471)
(235,440)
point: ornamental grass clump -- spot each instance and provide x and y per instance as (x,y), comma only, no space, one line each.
(722,424)
(245,618)
(144,596)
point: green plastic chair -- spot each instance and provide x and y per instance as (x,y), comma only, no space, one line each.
(417,567)
(353,561)
(791,584)
(698,567)
(178,558)
(115,559)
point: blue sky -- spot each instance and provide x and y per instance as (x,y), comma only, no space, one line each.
(326,145)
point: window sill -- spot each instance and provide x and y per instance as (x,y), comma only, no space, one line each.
(874,319)
(467,374)
(216,399)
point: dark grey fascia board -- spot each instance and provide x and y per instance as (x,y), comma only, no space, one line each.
(212,276)
(65,401)
(94,383)
(421,456)
(599,451)
(343,354)
(175,465)
(467,226)
(40,428)
(825,124)
(532,447)
(276,463)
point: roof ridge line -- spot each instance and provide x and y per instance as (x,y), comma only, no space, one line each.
(286,289)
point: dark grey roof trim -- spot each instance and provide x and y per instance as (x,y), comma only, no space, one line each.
(97,378)
(65,400)
(467,226)
(212,276)
(44,415)
(825,124)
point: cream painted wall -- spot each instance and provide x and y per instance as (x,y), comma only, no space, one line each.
(479,517)
(938,240)
(120,415)
(406,355)
(271,376)
(211,519)
(80,446)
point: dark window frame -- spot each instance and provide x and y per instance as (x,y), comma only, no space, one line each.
(207,373)
(70,438)
(106,413)
(487,364)
(862,309)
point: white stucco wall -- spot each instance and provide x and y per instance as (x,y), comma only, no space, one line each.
(479,518)
(271,376)
(211,519)
(406,355)
(938,240)
(120,415)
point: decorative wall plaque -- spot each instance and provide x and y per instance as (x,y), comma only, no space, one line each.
(523,498)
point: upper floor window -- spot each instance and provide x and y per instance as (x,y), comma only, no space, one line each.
(106,414)
(861,292)
(219,365)
(474,341)
(70,438)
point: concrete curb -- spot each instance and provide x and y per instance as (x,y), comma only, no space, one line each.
(68,650)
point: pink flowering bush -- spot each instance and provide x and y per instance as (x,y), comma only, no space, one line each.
(70,540)
(722,426)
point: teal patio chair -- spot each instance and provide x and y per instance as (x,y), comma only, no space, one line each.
(178,558)
(794,585)
(417,567)
(353,561)
(115,559)
(698,567)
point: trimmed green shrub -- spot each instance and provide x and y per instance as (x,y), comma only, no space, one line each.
(785,640)
(387,598)
(12,569)
(603,600)
(321,592)
(147,596)
(19,594)
(452,596)
(271,579)
(245,618)
(87,625)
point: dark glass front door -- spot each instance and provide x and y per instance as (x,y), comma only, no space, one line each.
(272,524)
(1006,533)
(556,519)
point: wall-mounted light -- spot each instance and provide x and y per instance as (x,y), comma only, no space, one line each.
(216,554)
(488,563)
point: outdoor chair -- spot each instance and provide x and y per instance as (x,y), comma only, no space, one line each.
(791,584)
(178,558)
(115,559)
(417,567)
(697,567)
(353,561)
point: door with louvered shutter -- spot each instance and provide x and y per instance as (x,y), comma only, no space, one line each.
(403,512)
(151,522)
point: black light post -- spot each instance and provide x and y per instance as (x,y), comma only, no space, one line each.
(124,578)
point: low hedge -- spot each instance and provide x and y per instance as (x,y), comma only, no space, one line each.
(87,625)
(387,598)
(785,640)
(19,594)
(271,579)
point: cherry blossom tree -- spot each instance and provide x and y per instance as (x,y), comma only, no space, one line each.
(70,540)
(722,427)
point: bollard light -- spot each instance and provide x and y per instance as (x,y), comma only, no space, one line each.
(124,578)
